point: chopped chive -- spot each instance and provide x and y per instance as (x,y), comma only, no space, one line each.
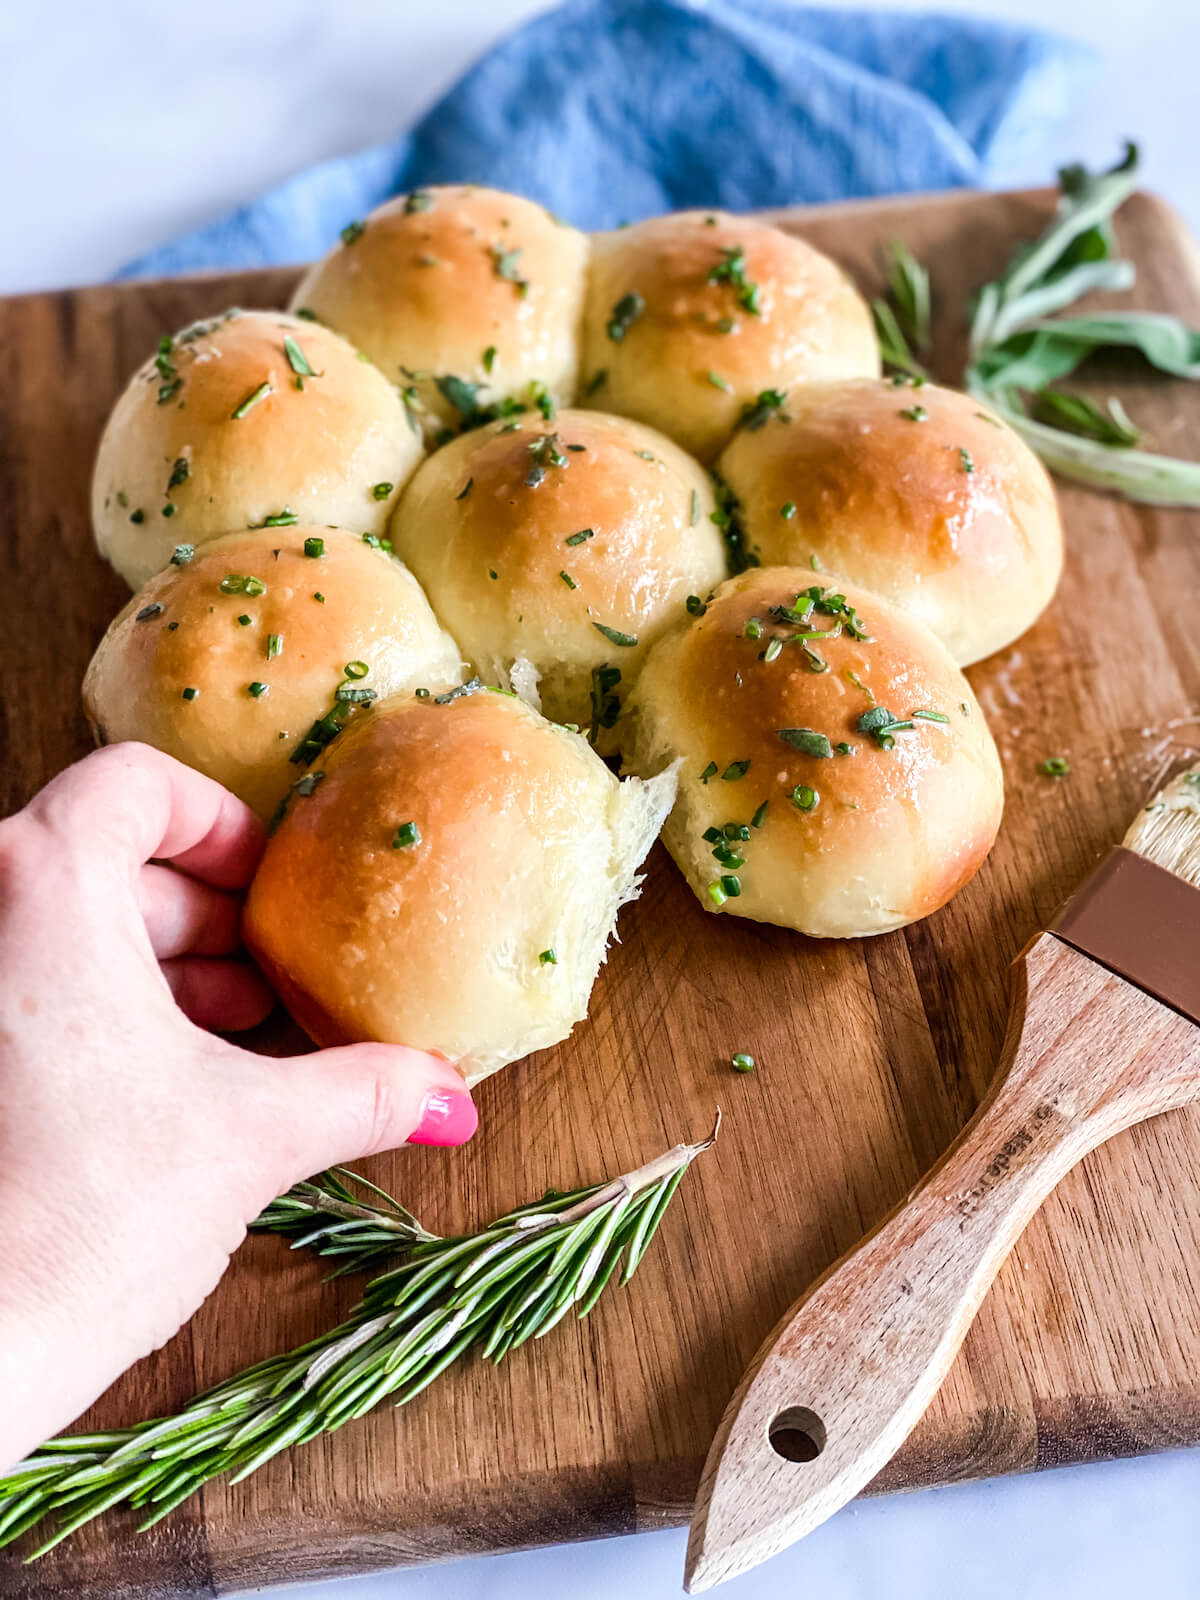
(1055,767)
(964,457)
(465,490)
(710,771)
(578,538)
(717,894)
(718,382)
(915,414)
(505,265)
(549,958)
(774,649)
(239,583)
(732,886)
(596,381)
(760,816)
(251,400)
(931,716)
(356,669)
(489,358)
(568,580)
(418,200)
(257,689)
(314,547)
(406,834)
(645,455)
(742,1062)
(614,635)
(190,694)
(712,835)
(286,518)
(626,311)
(695,606)
(734,771)
(274,645)
(318,597)
(753,628)
(137,516)
(154,609)
(380,491)
(788,510)
(180,473)
(245,619)
(804,798)
(168,510)
(493,574)
(353,232)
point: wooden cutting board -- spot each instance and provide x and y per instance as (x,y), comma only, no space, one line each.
(871,1054)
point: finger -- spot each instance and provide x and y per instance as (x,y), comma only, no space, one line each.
(337,1105)
(144,806)
(184,916)
(226,996)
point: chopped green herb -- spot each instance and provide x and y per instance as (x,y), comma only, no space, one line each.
(568,580)
(695,606)
(882,726)
(742,1062)
(182,554)
(489,358)
(257,690)
(964,457)
(931,716)
(717,894)
(806,741)
(732,886)
(549,958)
(804,798)
(314,547)
(459,692)
(626,312)
(734,771)
(297,360)
(769,403)
(597,381)
(915,414)
(137,516)
(168,510)
(606,706)
(1055,767)
(154,609)
(505,263)
(710,771)
(614,635)
(760,816)
(380,491)
(774,649)
(718,382)
(251,400)
(180,473)
(731,269)
(418,200)
(493,574)
(240,583)
(406,834)
(753,628)
(645,455)
(190,694)
(356,669)
(788,510)
(466,489)
(578,538)
(546,451)
(318,597)
(307,314)
(244,620)
(274,645)
(353,232)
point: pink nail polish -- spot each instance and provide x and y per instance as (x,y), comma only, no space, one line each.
(447,1117)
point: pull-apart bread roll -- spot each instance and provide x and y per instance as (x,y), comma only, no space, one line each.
(249,417)
(569,544)
(466,297)
(917,492)
(836,775)
(452,881)
(691,317)
(243,657)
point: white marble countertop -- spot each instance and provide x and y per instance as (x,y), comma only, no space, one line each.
(125,124)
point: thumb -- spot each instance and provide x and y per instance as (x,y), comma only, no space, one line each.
(356,1099)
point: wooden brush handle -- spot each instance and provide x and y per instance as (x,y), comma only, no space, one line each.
(844,1377)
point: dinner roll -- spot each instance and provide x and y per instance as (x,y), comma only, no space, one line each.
(837,775)
(917,492)
(464,296)
(250,416)
(691,317)
(452,881)
(570,544)
(228,658)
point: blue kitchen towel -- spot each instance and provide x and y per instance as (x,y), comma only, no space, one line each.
(616,109)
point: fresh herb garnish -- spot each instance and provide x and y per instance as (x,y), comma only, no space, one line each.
(606,706)
(406,834)
(549,958)
(578,538)
(505,264)
(614,635)
(1055,767)
(806,741)
(154,609)
(418,200)
(251,400)
(353,232)
(568,580)
(731,269)
(742,1062)
(298,361)
(546,451)
(314,547)
(804,798)
(758,413)
(624,314)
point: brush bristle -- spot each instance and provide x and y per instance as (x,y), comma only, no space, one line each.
(1167,831)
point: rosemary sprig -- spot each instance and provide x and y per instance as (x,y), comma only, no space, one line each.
(325,1215)
(490,1291)
(903,321)
(1016,355)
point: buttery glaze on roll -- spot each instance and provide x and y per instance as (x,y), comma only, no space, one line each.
(917,492)
(464,296)
(691,317)
(569,544)
(452,881)
(836,773)
(248,417)
(228,659)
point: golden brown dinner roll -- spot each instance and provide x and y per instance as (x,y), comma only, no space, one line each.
(247,418)
(837,775)
(227,659)
(917,492)
(464,296)
(570,544)
(452,881)
(690,317)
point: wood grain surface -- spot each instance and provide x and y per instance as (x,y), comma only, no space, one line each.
(871,1055)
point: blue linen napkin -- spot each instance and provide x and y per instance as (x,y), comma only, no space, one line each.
(607,110)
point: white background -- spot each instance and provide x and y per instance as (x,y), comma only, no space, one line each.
(125,123)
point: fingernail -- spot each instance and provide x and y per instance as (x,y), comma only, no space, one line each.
(446,1118)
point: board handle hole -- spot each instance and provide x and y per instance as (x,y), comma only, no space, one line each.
(797,1434)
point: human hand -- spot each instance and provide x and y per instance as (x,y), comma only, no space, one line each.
(134,1145)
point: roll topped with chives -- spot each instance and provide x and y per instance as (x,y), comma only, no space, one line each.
(569,544)
(251,419)
(916,491)
(468,298)
(452,882)
(836,773)
(244,658)
(691,317)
